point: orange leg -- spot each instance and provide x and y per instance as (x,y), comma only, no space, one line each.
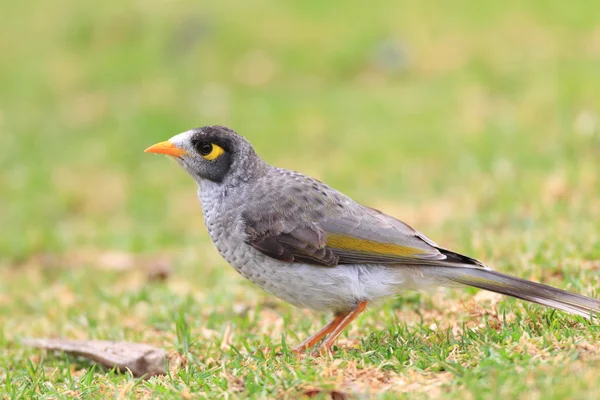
(339,328)
(314,339)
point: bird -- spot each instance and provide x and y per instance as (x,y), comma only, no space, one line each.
(314,247)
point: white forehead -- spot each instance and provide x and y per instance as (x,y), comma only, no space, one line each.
(182,138)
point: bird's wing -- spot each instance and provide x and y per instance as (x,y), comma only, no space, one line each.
(305,244)
(361,236)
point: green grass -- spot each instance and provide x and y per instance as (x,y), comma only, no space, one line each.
(478,124)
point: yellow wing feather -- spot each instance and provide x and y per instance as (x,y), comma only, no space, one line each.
(343,242)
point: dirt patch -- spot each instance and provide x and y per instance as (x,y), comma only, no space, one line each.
(354,379)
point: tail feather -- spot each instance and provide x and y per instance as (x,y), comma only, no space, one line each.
(523,289)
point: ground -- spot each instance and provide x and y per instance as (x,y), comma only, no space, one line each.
(479,124)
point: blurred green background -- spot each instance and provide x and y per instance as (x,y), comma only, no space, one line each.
(478,123)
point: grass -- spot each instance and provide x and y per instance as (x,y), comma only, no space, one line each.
(479,125)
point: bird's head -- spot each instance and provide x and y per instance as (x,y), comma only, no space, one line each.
(214,153)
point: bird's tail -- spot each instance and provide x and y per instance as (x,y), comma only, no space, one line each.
(487,279)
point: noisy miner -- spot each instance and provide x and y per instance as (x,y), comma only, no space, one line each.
(316,248)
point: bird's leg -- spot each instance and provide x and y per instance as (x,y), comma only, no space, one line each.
(339,328)
(314,339)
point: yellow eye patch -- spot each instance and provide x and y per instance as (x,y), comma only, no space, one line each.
(211,151)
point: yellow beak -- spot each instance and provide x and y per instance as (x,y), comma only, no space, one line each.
(167,148)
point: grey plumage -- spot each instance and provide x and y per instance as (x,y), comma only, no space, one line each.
(315,247)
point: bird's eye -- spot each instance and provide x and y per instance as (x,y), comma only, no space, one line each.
(205,149)
(209,151)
